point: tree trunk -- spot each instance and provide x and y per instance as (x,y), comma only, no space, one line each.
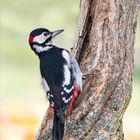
(104,48)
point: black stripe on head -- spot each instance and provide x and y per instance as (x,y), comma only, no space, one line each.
(39,31)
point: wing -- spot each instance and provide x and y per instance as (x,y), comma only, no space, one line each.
(73,65)
(77,74)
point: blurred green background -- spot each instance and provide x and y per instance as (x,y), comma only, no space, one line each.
(22,101)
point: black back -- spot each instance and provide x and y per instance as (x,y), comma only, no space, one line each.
(51,67)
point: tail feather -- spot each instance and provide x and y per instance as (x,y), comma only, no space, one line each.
(58,127)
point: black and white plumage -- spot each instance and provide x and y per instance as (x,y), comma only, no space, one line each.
(61,76)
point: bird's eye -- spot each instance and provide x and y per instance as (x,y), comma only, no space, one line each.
(45,33)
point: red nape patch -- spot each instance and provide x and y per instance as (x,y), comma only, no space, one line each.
(31,38)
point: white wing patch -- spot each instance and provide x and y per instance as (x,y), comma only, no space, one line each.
(72,63)
(66,100)
(68,90)
(66,55)
(45,85)
(67,75)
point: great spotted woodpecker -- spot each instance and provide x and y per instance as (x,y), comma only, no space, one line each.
(61,76)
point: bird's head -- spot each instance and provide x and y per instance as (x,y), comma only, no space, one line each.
(41,38)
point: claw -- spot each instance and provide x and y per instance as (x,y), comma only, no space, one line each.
(86,74)
(83,77)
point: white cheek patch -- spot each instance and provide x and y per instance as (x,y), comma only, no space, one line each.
(41,38)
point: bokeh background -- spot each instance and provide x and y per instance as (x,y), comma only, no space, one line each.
(22,101)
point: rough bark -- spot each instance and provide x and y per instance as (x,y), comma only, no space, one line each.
(104,48)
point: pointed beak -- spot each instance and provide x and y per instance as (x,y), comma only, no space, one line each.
(57,32)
